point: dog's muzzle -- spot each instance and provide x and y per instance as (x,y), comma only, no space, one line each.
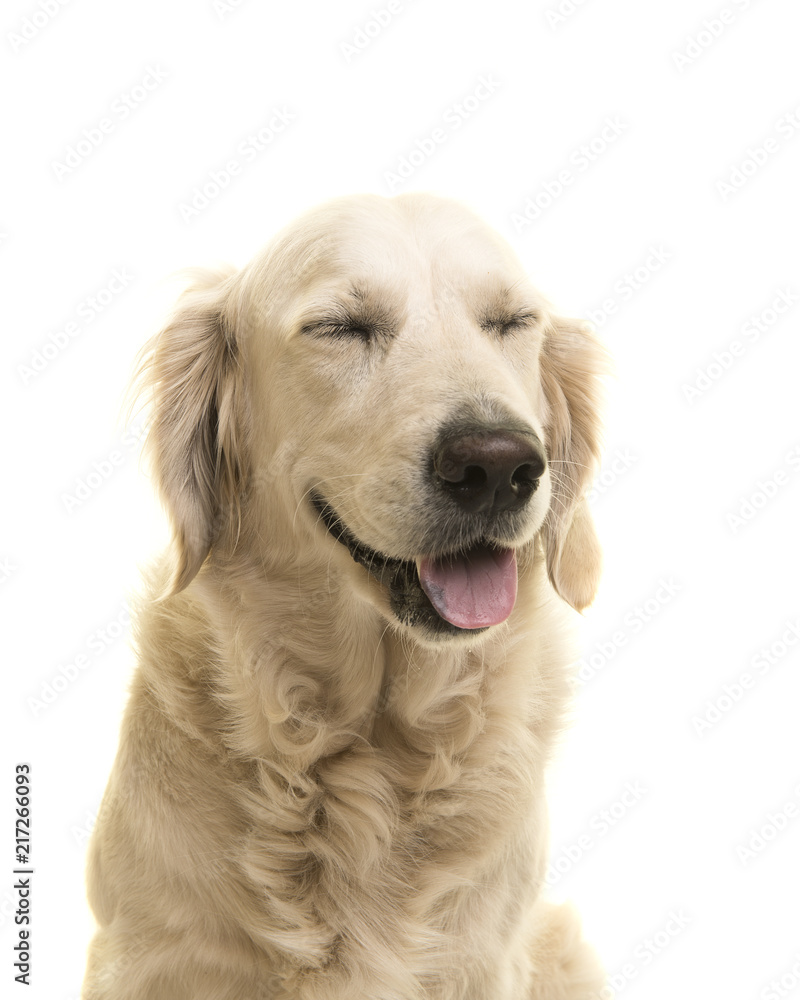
(479,476)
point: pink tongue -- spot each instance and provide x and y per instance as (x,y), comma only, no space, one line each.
(472,590)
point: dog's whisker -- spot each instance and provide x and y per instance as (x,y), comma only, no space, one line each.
(566,461)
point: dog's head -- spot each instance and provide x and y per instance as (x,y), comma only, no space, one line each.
(383,386)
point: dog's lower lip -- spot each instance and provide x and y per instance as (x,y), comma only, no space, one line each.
(382,567)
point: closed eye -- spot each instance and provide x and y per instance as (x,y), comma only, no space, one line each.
(341,331)
(341,328)
(362,313)
(505,323)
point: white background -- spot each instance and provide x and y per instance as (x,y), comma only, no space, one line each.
(668,897)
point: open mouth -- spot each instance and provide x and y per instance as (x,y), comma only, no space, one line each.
(465,591)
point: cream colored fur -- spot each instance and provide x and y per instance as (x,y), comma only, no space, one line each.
(312,801)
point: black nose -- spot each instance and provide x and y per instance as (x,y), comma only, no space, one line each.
(490,470)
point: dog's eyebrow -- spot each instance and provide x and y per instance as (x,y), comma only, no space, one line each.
(507,305)
(370,300)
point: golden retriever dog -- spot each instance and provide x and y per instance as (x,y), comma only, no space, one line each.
(373,443)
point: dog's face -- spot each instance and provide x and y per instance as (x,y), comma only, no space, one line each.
(386,376)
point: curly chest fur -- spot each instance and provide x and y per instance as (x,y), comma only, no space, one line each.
(380,853)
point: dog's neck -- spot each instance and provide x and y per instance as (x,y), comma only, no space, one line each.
(321,669)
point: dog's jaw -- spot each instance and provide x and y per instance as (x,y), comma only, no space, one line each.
(408,601)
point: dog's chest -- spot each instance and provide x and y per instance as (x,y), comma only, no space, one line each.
(412,845)
(422,826)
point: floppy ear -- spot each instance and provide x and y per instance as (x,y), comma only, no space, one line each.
(192,375)
(572,364)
